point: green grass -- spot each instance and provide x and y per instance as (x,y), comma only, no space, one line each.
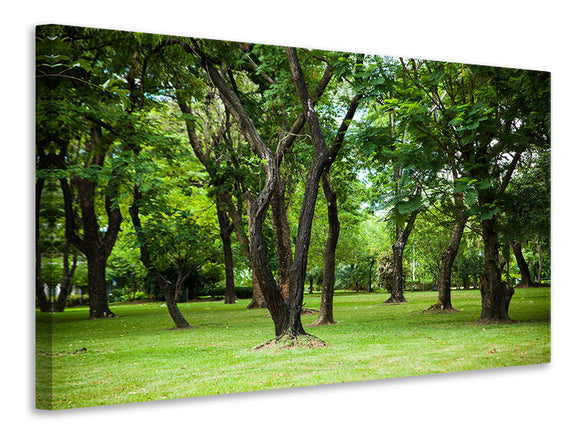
(136,356)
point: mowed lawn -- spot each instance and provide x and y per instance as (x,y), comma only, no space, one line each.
(137,357)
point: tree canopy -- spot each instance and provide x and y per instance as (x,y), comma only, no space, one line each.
(329,169)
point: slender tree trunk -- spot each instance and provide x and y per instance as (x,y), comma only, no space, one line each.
(225,233)
(67,277)
(164,284)
(495,294)
(397,287)
(448,257)
(286,316)
(325,316)
(172,308)
(41,299)
(539,262)
(397,293)
(525,276)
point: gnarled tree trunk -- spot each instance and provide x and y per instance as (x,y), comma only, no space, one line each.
(495,294)
(282,236)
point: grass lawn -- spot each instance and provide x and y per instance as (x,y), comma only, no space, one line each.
(136,356)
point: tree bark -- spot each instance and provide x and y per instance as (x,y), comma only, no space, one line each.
(67,277)
(397,294)
(41,299)
(95,244)
(98,303)
(326,316)
(495,294)
(256,207)
(525,276)
(282,236)
(448,257)
(235,213)
(225,233)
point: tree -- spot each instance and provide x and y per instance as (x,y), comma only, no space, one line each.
(162,282)
(480,120)
(526,208)
(63,87)
(285,312)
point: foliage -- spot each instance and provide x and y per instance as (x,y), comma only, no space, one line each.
(108,106)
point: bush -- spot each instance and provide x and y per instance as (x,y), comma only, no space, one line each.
(241,292)
(77,300)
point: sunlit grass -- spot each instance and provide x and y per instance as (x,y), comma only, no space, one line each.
(137,356)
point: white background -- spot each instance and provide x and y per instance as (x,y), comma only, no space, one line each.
(529,34)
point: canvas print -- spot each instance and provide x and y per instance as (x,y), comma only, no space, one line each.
(215,217)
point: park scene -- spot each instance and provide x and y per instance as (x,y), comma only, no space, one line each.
(217,217)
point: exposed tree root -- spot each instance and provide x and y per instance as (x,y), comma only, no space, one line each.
(289,341)
(254,305)
(439,308)
(393,301)
(322,323)
(306,311)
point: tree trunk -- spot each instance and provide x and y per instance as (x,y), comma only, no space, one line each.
(174,312)
(286,315)
(235,214)
(225,234)
(259,260)
(98,303)
(525,276)
(495,294)
(258,300)
(95,244)
(325,316)
(164,284)
(448,257)
(539,262)
(282,236)
(397,293)
(66,281)
(41,299)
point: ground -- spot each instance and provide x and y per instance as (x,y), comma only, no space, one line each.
(136,357)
